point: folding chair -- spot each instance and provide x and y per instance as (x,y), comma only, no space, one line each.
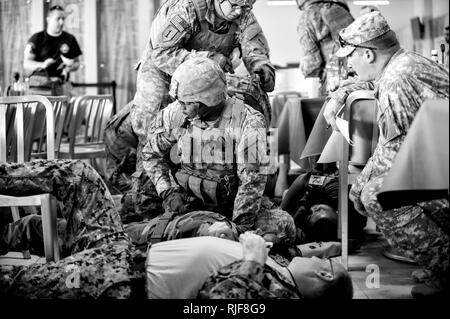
(361,112)
(90,115)
(15,146)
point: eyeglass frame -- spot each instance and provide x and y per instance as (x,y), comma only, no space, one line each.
(344,43)
(331,267)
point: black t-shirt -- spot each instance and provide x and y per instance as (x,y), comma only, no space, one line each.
(45,46)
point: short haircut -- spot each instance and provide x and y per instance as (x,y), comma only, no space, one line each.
(55,8)
(340,288)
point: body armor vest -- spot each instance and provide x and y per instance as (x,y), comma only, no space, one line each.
(208,163)
(207,40)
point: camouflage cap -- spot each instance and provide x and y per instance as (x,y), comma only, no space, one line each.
(365,28)
(199,80)
(242,3)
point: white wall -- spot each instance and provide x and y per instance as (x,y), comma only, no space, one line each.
(280,23)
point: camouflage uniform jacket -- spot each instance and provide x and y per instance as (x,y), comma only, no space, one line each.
(248,280)
(406,82)
(177,22)
(318,28)
(167,129)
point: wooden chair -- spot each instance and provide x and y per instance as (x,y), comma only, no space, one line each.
(89,117)
(361,112)
(22,115)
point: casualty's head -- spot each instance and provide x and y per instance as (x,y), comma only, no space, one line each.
(232,9)
(318,278)
(198,84)
(56,18)
(368,43)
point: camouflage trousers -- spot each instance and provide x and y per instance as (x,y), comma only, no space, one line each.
(98,256)
(419,231)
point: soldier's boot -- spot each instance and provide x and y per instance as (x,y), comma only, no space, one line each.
(420,275)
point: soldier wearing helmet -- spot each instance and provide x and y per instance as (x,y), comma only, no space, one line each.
(221,147)
(181,30)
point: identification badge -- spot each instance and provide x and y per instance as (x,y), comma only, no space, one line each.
(316,180)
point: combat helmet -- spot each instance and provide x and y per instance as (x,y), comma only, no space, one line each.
(199,80)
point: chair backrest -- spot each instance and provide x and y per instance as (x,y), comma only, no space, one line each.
(90,115)
(363,127)
(61,115)
(18,127)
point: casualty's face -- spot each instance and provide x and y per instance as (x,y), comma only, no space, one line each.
(55,21)
(229,11)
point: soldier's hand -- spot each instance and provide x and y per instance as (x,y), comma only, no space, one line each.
(223,61)
(254,247)
(173,201)
(48,62)
(330,111)
(222,230)
(267,76)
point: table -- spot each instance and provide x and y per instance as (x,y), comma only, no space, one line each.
(421,167)
(294,126)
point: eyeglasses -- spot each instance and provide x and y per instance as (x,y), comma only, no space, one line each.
(331,267)
(344,43)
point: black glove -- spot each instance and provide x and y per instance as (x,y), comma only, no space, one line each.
(267,77)
(173,201)
(223,61)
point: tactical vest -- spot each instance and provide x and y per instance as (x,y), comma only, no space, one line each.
(208,163)
(207,40)
(248,89)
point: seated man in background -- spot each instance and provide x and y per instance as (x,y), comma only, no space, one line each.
(403,81)
(52,54)
(180,269)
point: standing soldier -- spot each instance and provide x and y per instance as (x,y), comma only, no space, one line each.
(318,29)
(181,30)
(222,152)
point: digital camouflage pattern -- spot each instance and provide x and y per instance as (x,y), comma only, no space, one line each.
(176,25)
(318,29)
(365,28)
(97,246)
(248,280)
(169,128)
(414,79)
(192,224)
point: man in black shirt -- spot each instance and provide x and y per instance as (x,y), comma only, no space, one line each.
(52,52)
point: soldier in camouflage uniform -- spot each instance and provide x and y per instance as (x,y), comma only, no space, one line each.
(96,249)
(181,30)
(403,81)
(221,144)
(318,29)
(257,277)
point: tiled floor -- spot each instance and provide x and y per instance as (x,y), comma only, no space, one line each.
(377,277)
(395,280)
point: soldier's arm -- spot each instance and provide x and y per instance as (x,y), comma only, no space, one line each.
(161,138)
(255,49)
(251,149)
(311,60)
(170,31)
